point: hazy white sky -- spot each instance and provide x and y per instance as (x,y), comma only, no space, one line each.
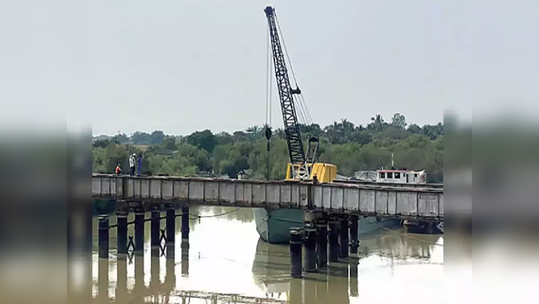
(186,65)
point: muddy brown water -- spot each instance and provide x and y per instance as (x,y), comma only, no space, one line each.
(228,263)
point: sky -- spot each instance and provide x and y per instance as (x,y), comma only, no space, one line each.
(186,65)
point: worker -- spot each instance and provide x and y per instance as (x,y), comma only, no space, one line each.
(139,164)
(132,164)
(315,179)
(118,169)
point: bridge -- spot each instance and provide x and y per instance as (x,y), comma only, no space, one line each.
(353,198)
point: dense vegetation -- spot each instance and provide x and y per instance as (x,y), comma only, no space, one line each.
(350,147)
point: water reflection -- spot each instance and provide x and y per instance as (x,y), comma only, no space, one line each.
(227,259)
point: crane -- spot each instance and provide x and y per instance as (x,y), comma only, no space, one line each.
(302,165)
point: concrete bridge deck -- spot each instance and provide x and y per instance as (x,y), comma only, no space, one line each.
(385,201)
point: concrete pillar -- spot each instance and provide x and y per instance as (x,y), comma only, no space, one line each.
(155,226)
(185,225)
(354,239)
(121,232)
(310,250)
(103,237)
(139,230)
(185,239)
(295,253)
(322,244)
(171,224)
(333,241)
(343,237)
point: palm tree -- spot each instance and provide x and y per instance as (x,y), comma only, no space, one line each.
(347,128)
(253,131)
(377,123)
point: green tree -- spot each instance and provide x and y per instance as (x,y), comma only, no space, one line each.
(398,121)
(203,140)
(350,147)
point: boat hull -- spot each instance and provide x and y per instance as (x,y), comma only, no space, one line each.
(274,226)
(423,227)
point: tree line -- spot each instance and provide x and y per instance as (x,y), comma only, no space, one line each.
(350,147)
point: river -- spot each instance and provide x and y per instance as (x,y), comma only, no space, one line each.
(226,257)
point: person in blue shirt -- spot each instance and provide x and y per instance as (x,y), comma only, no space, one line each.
(139,164)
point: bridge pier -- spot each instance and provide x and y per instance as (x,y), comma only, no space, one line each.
(354,239)
(296,237)
(139,229)
(322,244)
(310,250)
(155,226)
(121,232)
(310,219)
(185,239)
(171,223)
(333,241)
(185,226)
(103,237)
(343,237)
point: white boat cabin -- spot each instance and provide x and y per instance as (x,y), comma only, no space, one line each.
(401,176)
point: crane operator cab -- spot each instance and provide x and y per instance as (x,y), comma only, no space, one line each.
(325,173)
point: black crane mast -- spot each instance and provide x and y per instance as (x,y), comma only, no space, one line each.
(286,92)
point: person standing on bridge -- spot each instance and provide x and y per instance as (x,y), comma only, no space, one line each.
(139,164)
(118,169)
(132,164)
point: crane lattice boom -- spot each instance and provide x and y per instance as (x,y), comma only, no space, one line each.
(291,126)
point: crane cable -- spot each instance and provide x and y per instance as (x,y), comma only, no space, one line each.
(269,69)
(267,130)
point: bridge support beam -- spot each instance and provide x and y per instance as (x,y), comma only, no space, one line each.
(322,244)
(121,232)
(155,225)
(333,241)
(343,236)
(139,229)
(310,250)
(103,237)
(354,239)
(185,232)
(171,223)
(310,219)
(296,240)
